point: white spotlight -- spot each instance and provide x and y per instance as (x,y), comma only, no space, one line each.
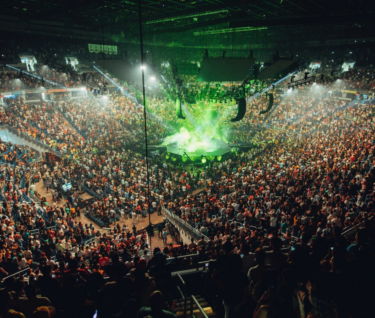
(143,67)
(152,78)
(83,88)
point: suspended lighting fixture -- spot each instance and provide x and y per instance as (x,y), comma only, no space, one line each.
(187,16)
(229,30)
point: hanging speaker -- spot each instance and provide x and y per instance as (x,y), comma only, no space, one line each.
(178,108)
(241,110)
(270,104)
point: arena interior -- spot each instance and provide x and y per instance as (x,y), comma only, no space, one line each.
(185,158)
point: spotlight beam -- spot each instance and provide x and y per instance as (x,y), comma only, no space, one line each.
(267,89)
(270,87)
(189,115)
(158,119)
(36,76)
(118,86)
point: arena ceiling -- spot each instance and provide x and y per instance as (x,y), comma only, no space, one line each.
(195,13)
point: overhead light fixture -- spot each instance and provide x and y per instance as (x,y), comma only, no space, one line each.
(35,76)
(229,30)
(187,16)
(143,67)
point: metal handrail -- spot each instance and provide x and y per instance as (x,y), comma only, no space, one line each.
(183,294)
(23,135)
(193,299)
(350,230)
(34,197)
(18,273)
(193,232)
(182,256)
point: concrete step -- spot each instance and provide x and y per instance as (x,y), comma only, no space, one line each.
(181,300)
(179,304)
(180,307)
(208,311)
(6,135)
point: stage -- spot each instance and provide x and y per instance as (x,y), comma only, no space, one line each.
(178,152)
(215,148)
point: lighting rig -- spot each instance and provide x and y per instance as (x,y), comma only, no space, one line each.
(312,79)
(304,81)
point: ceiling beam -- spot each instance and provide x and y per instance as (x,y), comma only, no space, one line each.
(278,7)
(254,6)
(292,3)
(344,19)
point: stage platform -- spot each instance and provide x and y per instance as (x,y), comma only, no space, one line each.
(216,148)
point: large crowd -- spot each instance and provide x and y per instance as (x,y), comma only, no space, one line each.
(272,218)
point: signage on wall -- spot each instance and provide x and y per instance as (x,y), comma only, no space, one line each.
(98,48)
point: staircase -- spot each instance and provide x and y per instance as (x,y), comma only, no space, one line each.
(71,123)
(17,138)
(192,307)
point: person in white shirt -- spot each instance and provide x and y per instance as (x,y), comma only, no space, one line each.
(145,256)
(68,245)
(22,262)
(273,221)
(50,262)
(87,253)
(80,253)
(28,254)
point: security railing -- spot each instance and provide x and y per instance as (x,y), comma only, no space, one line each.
(25,270)
(31,140)
(194,300)
(34,198)
(183,292)
(183,225)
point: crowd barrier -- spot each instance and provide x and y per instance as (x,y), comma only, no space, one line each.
(91,192)
(183,225)
(30,139)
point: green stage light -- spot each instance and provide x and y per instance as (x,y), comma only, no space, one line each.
(173,158)
(211,158)
(185,158)
(218,158)
(204,160)
(167,155)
